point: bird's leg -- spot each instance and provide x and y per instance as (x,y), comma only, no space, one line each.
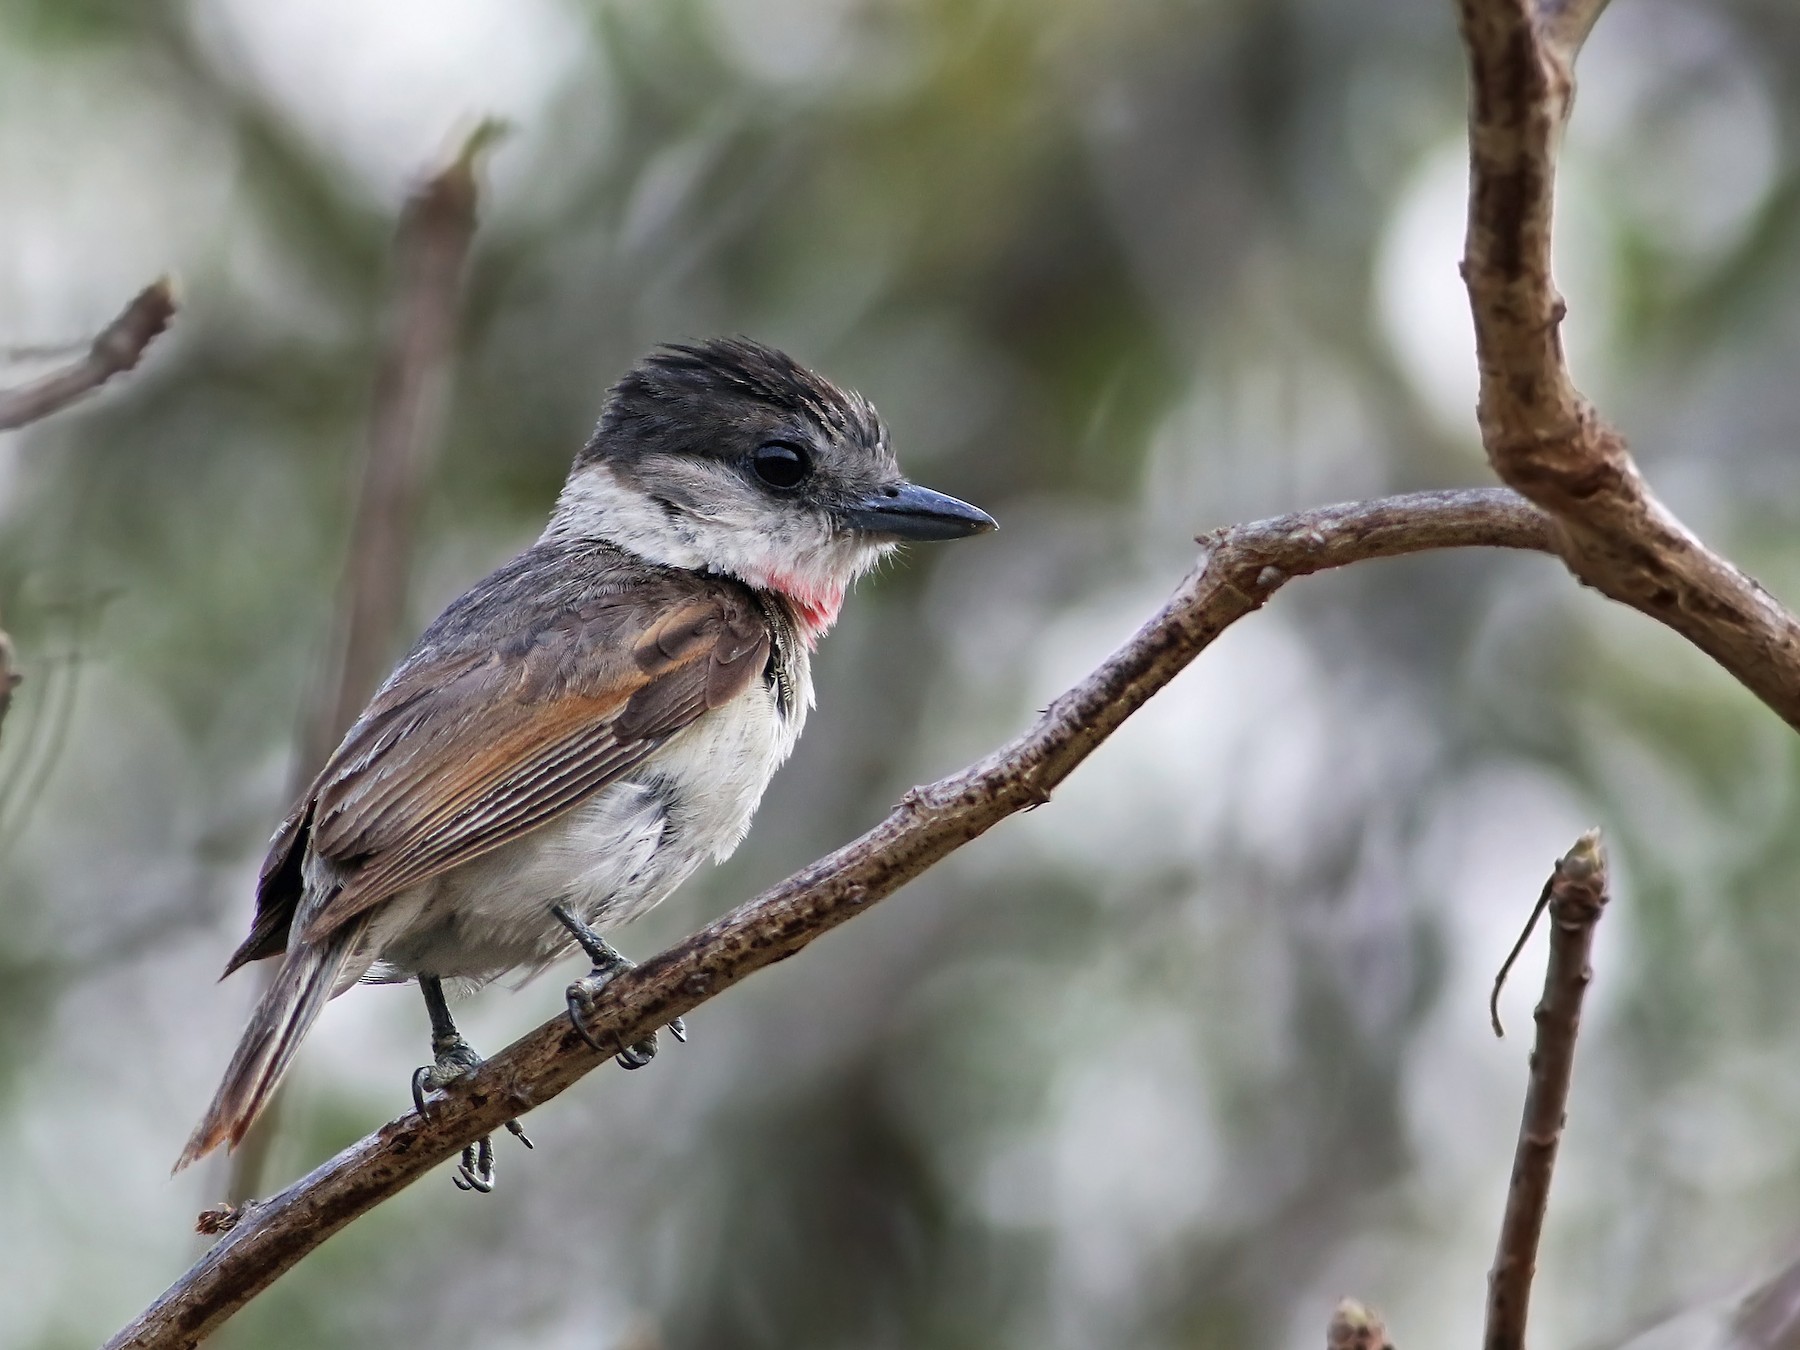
(455,1058)
(609,962)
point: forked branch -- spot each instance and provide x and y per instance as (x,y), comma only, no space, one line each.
(1542,437)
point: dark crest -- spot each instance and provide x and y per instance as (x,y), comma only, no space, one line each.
(682,387)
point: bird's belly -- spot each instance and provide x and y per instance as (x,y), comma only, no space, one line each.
(609,860)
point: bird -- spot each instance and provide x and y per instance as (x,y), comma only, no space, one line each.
(574,735)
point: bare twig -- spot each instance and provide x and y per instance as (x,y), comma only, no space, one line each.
(43,351)
(1577,892)
(1537,912)
(1355,1326)
(1241,568)
(119,348)
(1542,437)
(431,247)
(9,678)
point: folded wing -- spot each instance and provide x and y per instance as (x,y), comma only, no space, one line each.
(463,752)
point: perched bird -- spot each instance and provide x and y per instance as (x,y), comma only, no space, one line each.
(572,737)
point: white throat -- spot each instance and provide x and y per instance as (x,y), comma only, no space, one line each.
(790,550)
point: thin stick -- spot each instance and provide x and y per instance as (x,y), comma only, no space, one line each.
(1577,898)
(118,349)
(406,432)
(406,426)
(1537,912)
(9,678)
(1241,568)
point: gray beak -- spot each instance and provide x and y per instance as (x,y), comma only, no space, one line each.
(908,511)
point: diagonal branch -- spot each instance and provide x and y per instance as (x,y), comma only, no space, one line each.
(1240,569)
(1542,437)
(118,349)
(1577,897)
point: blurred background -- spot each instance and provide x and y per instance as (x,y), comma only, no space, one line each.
(1172,1062)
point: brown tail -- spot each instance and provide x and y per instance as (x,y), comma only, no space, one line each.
(308,975)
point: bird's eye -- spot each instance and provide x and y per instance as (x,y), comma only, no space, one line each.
(780,465)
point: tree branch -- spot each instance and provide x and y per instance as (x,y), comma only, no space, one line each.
(118,349)
(412,383)
(1542,437)
(406,425)
(1240,569)
(1577,898)
(9,678)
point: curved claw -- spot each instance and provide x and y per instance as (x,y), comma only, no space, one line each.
(581,997)
(421,1076)
(637,1056)
(581,1004)
(476,1170)
(518,1132)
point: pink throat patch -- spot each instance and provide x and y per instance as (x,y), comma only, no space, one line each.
(816,606)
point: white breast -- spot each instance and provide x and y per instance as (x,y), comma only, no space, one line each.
(718,767)
(610,859)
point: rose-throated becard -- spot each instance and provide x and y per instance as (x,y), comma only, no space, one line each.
(572,737)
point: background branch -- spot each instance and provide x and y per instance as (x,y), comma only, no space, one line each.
(1577,898)
(1241,568)
(406,428)
(118,349)
(9,678)
(1542,437)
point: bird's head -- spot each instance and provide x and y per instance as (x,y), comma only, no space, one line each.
(730,457)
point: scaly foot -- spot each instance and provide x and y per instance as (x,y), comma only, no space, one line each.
(454,1058)
(583,996)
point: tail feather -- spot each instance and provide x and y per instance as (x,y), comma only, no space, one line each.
(309,975)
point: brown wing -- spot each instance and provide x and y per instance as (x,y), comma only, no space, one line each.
(458,754)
